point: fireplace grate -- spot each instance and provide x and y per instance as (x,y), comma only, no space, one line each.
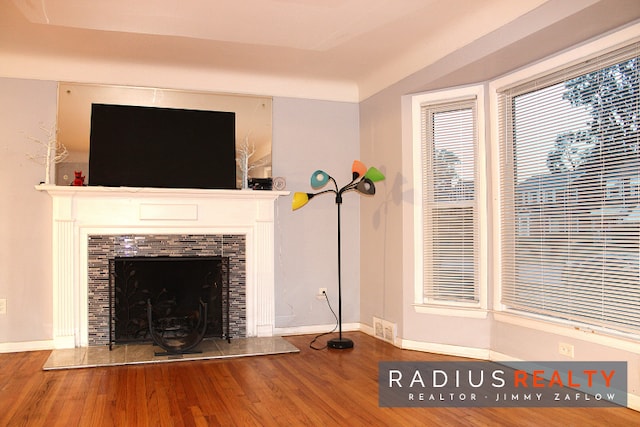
(171,290)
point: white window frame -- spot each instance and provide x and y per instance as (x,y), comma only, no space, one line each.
(477,309)
(501,312)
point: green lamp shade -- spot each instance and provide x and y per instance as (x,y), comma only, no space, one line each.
(319,179)
(299,200)
(374,174)
(366,187)
(358,169)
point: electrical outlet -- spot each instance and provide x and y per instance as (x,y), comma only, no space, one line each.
(321,293)
(3,306)
(565,349)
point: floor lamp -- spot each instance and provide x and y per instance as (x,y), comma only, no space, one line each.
(362,182)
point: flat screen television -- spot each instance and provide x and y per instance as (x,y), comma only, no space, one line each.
(133,146)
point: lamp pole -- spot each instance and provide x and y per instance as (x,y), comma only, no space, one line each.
(339,343)
(362,182)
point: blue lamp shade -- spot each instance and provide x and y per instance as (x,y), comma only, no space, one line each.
(319,178)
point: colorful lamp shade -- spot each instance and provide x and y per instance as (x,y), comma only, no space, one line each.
(363,183)
(374,174)
(319,179)
(366,187)
(358,169)
(300,199)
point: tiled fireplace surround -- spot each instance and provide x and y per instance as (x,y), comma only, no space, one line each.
(103,248)
(90,221)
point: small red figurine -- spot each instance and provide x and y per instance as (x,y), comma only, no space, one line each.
(78,180)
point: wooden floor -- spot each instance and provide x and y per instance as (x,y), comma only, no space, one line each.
(311,388)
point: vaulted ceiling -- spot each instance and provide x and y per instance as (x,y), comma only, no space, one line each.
(369,44)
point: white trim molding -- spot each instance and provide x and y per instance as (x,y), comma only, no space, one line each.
(477,93)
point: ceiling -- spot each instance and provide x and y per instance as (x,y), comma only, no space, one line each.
(369,44)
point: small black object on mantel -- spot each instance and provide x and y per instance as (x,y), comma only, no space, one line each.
(260,183)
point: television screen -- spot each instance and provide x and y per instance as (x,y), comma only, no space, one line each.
(132,146)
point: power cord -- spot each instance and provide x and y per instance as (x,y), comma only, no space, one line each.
(326,333)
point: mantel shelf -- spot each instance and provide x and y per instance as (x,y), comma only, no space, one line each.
(89,191)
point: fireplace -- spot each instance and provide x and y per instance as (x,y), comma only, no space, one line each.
(104,252)
(115,222)
(174,295)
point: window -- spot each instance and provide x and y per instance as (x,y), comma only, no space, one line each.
(447,197)
(570,199)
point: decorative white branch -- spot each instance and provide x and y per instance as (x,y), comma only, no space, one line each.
(245,151)
(49,152)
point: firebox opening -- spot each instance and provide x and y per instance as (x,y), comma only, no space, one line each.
(175,288)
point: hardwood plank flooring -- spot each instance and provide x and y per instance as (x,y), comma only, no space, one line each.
(311,388)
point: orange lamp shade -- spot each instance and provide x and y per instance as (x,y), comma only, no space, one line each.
(358,169)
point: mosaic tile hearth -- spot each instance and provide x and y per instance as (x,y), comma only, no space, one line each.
(102,248)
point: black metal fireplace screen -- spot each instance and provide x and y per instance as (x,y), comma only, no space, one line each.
(174,302)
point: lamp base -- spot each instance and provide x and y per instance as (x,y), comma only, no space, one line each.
(340,343)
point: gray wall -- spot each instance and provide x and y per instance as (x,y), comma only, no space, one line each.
(307,136)
(25,214)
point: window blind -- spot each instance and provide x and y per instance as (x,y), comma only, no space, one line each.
(449,145)
(570,193)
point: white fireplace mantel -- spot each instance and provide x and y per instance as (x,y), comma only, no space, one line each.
(79,212)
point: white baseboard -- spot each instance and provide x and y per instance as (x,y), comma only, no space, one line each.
(450,350)
(633,402)
(446,349)
(367,329)
(15,347)
(315,329)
